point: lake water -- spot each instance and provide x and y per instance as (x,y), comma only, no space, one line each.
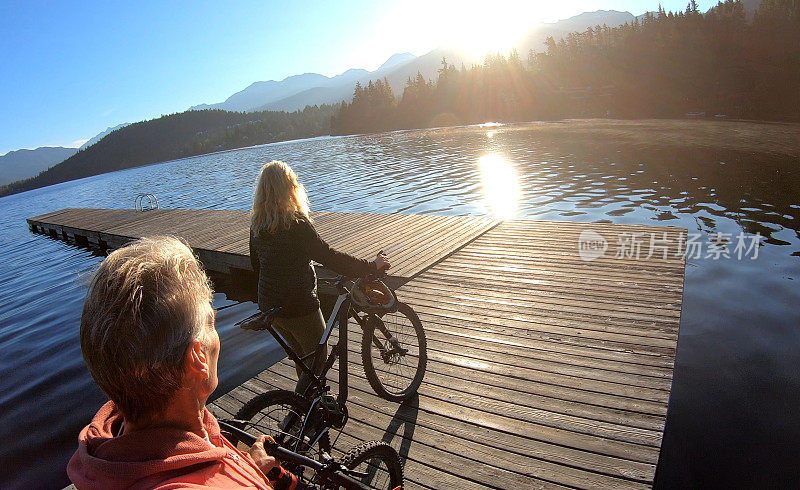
(732,417)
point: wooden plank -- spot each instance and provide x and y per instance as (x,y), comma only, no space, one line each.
(221,237)
(544,321)
(445,378)
(369,409)
(451,328)
(458,430)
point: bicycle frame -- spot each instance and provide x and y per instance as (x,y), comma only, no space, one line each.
(321,412)
(330,472)
(339,316)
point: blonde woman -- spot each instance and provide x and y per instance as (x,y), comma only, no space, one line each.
(283,242)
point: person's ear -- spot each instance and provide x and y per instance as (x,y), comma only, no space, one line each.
(197,361)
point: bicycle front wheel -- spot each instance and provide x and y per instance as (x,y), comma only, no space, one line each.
(281,414)
(379,461)
(395,353)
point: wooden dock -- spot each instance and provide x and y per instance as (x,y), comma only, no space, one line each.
(221,238)
(545,370)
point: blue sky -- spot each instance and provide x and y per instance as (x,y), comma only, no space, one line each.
(72,69)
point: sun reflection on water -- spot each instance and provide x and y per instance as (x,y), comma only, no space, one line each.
(500,185)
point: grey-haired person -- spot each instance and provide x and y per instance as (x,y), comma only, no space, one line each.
(149,340)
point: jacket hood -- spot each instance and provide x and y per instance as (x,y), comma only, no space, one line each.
(141,458)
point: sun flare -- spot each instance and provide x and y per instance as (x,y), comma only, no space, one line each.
(473,28)
(500,185)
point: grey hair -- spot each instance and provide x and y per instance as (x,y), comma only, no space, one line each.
(147,303)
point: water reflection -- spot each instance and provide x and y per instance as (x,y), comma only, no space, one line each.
(500,185)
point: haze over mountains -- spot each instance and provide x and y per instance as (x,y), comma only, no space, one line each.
(535,38)
(296,92)
(22,164)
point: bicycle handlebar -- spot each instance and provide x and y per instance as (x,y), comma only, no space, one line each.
(273,449)
(341,278)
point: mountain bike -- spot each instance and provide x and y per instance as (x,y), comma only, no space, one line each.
(393,352)
(358,469)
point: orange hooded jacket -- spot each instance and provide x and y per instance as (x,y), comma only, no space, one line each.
(161,458)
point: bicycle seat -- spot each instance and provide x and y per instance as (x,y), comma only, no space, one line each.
(260,320)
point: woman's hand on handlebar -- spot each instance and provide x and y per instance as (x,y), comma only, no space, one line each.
(382,262)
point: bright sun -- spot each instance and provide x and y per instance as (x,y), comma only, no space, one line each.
(474,28)
(477,32)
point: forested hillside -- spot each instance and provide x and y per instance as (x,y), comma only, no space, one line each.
(181,135)
(668,65)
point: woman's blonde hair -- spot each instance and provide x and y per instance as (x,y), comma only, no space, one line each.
(278,198)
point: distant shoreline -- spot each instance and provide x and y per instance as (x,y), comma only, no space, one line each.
(769,137)
(310,138)
(176,136)
(750,135)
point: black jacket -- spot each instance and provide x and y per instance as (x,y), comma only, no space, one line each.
(286,277)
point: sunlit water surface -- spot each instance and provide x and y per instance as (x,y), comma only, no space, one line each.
(732,417)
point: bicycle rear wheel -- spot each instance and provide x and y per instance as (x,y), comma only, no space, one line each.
(395,353)
(380,462)
(281,415)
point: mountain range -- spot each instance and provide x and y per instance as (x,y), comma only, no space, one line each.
(296,92)
(535,38)
(22,164)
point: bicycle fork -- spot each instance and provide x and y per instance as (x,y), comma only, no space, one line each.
(396,348)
